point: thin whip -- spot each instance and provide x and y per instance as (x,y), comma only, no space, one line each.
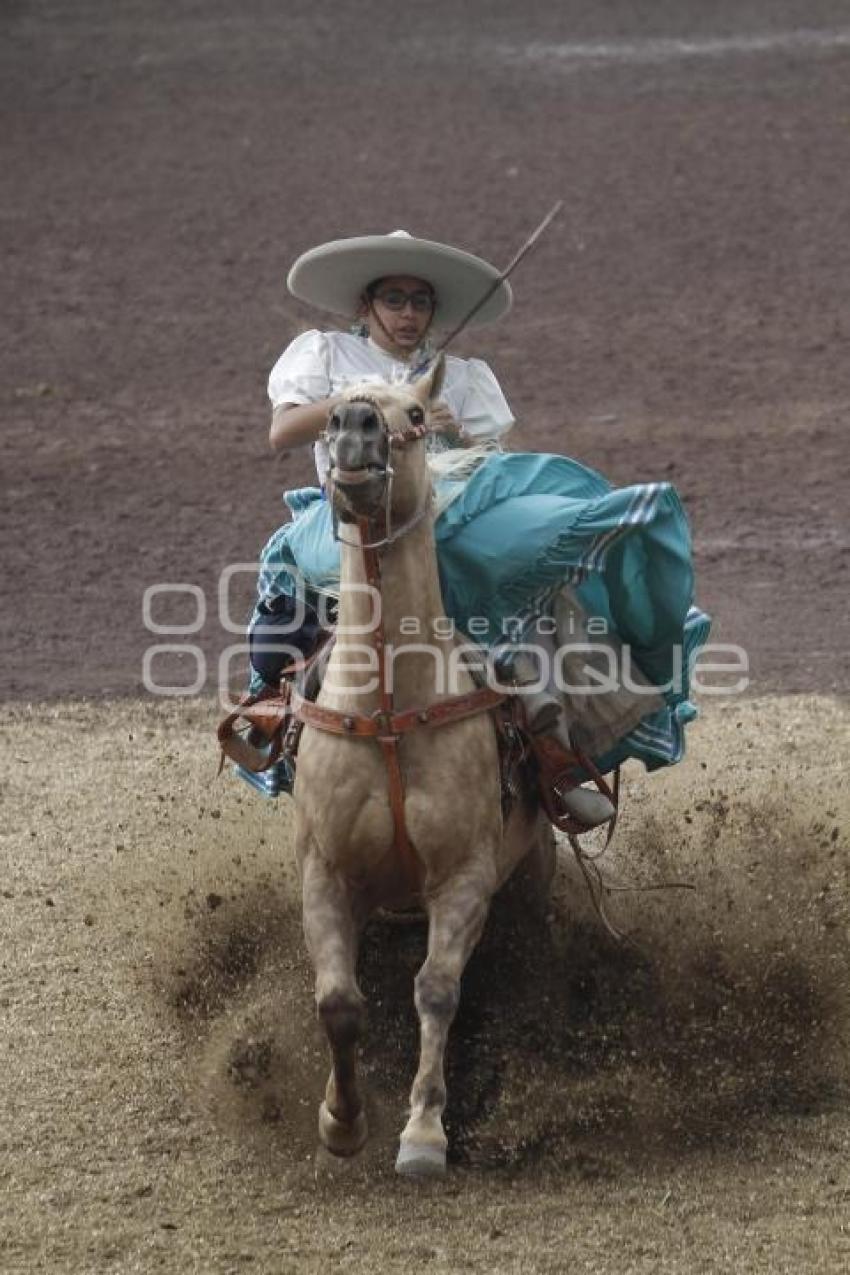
(497,283)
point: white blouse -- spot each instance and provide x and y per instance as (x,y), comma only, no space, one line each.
(319,364)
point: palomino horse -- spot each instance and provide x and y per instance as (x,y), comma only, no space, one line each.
(393,820)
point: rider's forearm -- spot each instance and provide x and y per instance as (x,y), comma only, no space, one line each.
(294,424)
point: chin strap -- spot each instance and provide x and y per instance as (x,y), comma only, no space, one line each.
(386,331)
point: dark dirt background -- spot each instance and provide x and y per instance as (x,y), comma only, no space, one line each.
(687,318)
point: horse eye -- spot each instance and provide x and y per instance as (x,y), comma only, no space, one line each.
(416,415)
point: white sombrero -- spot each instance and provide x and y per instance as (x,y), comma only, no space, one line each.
(334,275)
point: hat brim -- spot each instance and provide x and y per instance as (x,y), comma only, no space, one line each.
(334,275)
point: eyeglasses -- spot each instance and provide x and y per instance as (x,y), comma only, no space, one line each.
(396,299)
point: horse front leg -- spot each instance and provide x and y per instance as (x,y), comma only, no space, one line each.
(456,918)
(332,930)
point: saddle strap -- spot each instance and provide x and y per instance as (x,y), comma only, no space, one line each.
(388,725)
(395,784)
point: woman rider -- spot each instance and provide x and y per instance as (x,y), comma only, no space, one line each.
(512,532)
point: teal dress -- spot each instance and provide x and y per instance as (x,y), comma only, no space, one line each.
(522,526)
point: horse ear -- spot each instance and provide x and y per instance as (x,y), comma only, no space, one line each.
(427,387)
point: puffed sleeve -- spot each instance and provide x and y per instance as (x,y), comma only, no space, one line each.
(485,412)
(302,373)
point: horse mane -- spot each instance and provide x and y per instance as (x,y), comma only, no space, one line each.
(453,466)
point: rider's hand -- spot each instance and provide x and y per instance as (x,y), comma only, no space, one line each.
(443,422)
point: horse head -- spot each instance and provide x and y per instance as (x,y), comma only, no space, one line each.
(371,436)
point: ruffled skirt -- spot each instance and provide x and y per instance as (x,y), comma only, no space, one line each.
(511,536)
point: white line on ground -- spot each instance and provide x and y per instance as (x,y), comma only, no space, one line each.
(788,543)
(659,50)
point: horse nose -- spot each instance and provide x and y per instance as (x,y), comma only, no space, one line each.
(350,449)
(357,435)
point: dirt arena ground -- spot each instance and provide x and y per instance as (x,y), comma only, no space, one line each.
(676,1107)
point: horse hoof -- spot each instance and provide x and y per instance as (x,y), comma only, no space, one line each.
(420,1160)
(340,1138)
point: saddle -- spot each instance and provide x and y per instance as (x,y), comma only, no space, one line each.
(266,727)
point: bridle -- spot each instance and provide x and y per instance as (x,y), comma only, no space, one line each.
(396,439)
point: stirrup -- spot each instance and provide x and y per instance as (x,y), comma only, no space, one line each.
(260,746)
(590,808)
(571,808)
